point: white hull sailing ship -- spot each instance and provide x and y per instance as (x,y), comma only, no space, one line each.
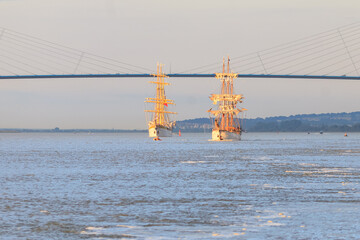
(160,131)
(158,119)
(226,125)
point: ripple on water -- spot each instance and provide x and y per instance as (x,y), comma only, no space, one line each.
(270,186)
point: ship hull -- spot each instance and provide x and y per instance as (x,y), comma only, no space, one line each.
(159,131)
(223,135)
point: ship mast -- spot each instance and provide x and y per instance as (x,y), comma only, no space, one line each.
(160,113)
(225,115)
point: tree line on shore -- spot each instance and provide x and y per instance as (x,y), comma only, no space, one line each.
(327,122)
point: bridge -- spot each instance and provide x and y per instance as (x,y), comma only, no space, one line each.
(179,75)
(332,55)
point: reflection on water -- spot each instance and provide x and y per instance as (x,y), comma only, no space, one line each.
(269,186)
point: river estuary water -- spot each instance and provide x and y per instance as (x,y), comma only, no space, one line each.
(126,186)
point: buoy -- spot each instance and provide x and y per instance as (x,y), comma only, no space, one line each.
(345,135)
(179,133)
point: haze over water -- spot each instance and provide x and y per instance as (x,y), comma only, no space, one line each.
(268,186)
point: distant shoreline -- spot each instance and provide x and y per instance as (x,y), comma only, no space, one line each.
(325,122)
(75,131)
(15,130)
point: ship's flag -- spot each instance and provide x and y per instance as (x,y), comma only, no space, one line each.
(165,104)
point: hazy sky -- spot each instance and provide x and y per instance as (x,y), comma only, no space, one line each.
(181,34)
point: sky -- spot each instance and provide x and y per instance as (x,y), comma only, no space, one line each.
(180,34)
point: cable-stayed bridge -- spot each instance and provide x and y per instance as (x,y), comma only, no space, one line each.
(334,54)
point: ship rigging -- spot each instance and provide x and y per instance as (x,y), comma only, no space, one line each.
(159,122)
(226,125)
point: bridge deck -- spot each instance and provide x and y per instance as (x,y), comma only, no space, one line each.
(178,75)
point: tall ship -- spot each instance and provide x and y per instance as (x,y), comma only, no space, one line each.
(158,118)
(226,124)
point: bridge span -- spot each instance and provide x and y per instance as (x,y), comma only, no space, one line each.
(333,55)
(177,75)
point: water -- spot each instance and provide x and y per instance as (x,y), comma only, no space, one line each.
(120,186)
